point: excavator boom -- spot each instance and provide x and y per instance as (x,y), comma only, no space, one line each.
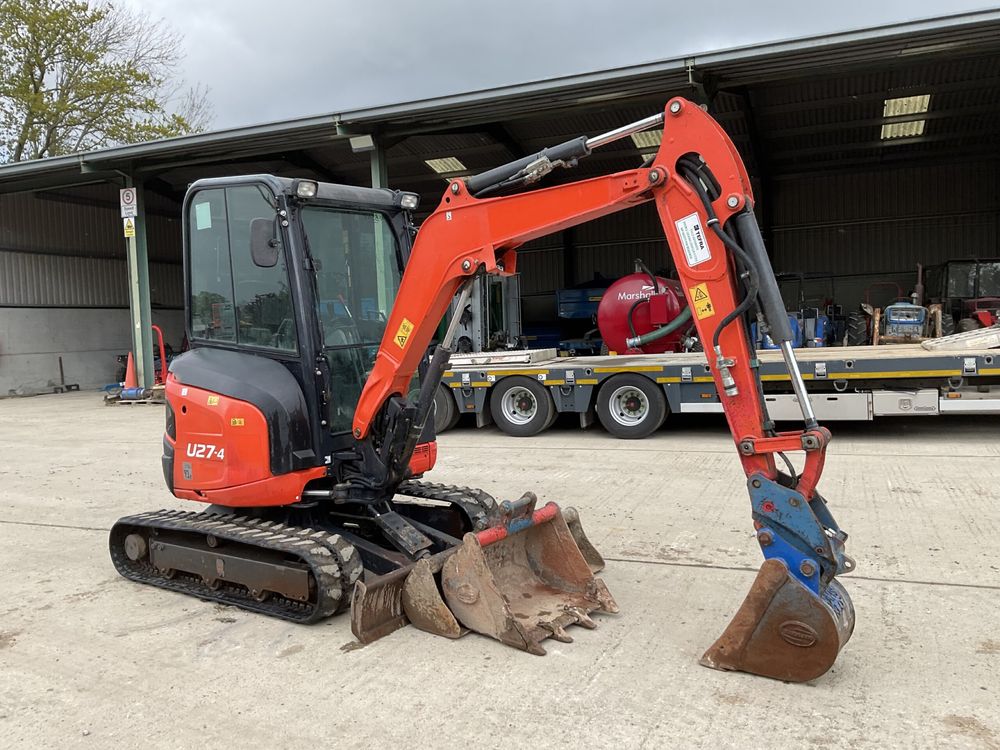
(796,617)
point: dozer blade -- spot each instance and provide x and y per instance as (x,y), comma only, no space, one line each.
(783,630)
(519,583)
(408,595)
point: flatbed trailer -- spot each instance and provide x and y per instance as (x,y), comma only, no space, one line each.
(523,392)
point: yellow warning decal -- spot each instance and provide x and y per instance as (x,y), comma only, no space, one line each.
(237,422)
(702,301)
(213,400)
(405,329)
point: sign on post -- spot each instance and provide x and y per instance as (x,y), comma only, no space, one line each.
(129,208)
(129,226)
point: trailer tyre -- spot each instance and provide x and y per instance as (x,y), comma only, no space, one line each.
(631,406)
(521,406)
(857,329)
(446,411)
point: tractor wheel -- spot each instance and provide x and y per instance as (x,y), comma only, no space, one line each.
(446,411)
(521,406)
(857,329)
(947,324)
(631,406)
(968,324)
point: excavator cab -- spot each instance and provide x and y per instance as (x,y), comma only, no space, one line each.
(290,284)
(298,272)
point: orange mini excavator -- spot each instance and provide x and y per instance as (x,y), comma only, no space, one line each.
(300,415)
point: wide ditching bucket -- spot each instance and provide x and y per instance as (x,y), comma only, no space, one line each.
(784,630)
(520,582)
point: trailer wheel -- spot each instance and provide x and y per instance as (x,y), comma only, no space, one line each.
(857,329)
(631,406)
(521,406)
(446,411)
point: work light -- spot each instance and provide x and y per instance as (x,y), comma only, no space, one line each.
(306,188)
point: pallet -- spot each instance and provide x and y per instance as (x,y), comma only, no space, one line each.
(141,401)
(158,397)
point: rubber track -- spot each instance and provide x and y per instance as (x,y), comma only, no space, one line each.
(334,563)
(479,505)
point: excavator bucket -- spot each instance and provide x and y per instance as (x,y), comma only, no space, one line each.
(783,630)
(520,582)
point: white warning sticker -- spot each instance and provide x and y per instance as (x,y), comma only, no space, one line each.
(693,240)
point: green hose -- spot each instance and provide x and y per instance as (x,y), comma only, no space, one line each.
(659,333)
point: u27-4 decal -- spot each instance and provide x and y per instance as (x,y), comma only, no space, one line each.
(206,450)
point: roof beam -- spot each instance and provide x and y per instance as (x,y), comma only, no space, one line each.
(888,144)
(879,121)
(502,135)
(897,160)
(164,189)
(770,110)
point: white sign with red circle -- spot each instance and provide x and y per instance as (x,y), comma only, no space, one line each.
(129,208)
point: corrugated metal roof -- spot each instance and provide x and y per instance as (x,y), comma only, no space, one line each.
(537,110)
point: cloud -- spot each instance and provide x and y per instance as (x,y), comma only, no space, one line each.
(265,61)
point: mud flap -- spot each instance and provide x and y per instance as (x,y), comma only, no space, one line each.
(783,630)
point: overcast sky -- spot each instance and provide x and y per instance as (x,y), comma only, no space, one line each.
(267,61)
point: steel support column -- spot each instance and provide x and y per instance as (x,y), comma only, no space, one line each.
(380,172)
(138,291)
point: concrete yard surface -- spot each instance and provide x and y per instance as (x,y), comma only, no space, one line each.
(89,660)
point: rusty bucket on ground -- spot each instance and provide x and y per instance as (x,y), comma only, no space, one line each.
(520,582)
(783,630)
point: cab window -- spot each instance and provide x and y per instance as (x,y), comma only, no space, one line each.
(232,298)
(211,304)
(263,299)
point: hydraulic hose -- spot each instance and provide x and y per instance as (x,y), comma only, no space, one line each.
(692,173)
(647,338)
(652,278)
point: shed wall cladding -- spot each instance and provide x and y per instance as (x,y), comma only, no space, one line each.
(67,250)
(606,247)
(83,222)
(41,280)
(865,227)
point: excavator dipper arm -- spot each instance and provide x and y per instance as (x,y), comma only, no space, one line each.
(796,617)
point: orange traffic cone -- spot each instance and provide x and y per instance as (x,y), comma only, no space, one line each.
(130,379)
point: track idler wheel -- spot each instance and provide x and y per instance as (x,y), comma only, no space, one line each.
(783,630)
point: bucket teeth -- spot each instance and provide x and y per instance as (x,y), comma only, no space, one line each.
(783,630)
(556,632)
(599,592)
(581,618)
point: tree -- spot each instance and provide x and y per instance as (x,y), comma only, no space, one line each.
(76,76)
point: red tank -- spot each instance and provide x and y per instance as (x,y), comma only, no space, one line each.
(656,308)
